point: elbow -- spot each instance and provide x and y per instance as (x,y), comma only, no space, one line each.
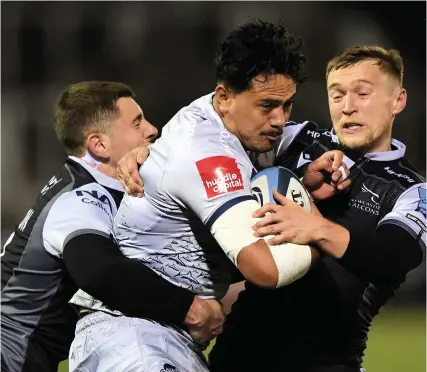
(88,279)
(92,282)
(258,266)
(265,279)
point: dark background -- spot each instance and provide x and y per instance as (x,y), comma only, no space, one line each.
(165,51)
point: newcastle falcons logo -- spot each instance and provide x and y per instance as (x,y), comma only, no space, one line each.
(366,190)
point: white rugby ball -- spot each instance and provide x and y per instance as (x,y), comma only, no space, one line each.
(282,180)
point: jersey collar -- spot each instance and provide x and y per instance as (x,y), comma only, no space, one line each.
(397,152)
(101,178)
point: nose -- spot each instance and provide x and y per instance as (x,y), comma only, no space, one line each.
(150,132)
(278,117)
(349,106)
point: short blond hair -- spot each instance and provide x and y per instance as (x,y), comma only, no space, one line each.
(389,60)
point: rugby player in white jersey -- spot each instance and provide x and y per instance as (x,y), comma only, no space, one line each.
(371,236)
(198,202)
(65,241)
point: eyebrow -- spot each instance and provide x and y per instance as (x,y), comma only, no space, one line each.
(338,85)
(277,102)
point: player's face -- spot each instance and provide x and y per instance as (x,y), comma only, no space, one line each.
(130,130)
(257,116)
(363,102)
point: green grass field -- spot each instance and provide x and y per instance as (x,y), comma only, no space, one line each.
(397,342)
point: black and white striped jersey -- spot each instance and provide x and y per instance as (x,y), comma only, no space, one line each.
(37,322)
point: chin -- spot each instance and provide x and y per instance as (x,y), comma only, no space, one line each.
(264,148)
(259,147)
(354,143)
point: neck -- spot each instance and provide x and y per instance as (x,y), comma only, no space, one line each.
(383,144)
(108,170)
(380,148)
(105,168)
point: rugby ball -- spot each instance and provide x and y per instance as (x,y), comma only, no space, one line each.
(282,180)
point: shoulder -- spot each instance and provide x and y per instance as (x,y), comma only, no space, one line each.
(409,213)
(91,198)
(302,135)
(302,143)
(88,209)
(401,172)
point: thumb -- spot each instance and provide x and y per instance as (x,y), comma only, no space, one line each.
(283,200)
(337,160)
(142,155)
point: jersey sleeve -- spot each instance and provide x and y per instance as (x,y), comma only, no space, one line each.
(85,210)
(291,132)
(409,213)
(210,181)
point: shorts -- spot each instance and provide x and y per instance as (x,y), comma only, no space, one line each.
(108,343)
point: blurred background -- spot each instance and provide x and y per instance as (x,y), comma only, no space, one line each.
(165,51)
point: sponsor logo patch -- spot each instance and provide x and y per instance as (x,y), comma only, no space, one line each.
(92,197)
(398,175)
(417,221)
(220,175)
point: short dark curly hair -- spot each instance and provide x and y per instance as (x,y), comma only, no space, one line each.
(259,48)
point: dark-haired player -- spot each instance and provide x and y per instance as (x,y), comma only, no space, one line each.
(198,202)
(321,322)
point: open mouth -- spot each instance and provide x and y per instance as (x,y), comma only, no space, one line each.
(352,125)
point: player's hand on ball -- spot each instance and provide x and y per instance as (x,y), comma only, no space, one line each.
(327,175)
(127,171)
(205,319)
(287,220)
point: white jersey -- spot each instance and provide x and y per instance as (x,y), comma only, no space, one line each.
(35,286)
(196,171)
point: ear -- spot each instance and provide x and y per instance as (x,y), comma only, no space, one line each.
(223,97)
(99,145)
(400,102)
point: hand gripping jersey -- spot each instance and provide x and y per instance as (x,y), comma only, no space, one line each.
(386,188)
(37,322)
(196,171)
(324,317)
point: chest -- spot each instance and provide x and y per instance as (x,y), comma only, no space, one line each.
(362,207)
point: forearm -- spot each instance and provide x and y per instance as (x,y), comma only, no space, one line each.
(387,254)
(99,268)
(331,238)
